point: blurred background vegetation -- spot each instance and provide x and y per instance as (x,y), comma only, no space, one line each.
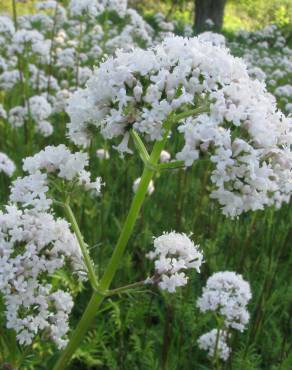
(239,14)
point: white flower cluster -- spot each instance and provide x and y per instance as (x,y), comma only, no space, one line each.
(139,89)
(214,38)
(163,27)
(7,166)
(267,36)
(250,172)
(38,109)
(208,342)
(119,6)
(135,29)
(34,246)
(174,253)
(6,26)
(17,116)
(269,58)
(79,8)
(31,41)
(54,13)
(93,8)
(162,23)
(227,294)
(284,90)
(31,190)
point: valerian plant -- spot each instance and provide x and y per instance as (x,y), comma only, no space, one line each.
(144,98)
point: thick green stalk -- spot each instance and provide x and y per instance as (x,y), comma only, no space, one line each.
(112,267)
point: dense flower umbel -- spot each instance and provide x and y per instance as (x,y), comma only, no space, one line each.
(139,89)
(173,254)
(32,190)
(33,246)
(227,294)
(208,341)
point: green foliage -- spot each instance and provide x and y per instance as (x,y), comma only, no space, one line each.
(259,13)
(23,7)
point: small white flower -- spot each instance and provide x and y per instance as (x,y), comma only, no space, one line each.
(150,188)
(102,154)
(164,156)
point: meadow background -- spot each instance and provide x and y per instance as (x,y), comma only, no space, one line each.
(154,330)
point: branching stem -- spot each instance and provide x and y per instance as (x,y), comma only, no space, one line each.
(100,294)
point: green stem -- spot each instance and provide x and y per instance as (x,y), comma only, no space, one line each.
(87,260)
(113,264)
(52,49)
(112,267)
(78,53)
(29,126)
(110,271)
(215,359)
(14,14)
(193,112)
